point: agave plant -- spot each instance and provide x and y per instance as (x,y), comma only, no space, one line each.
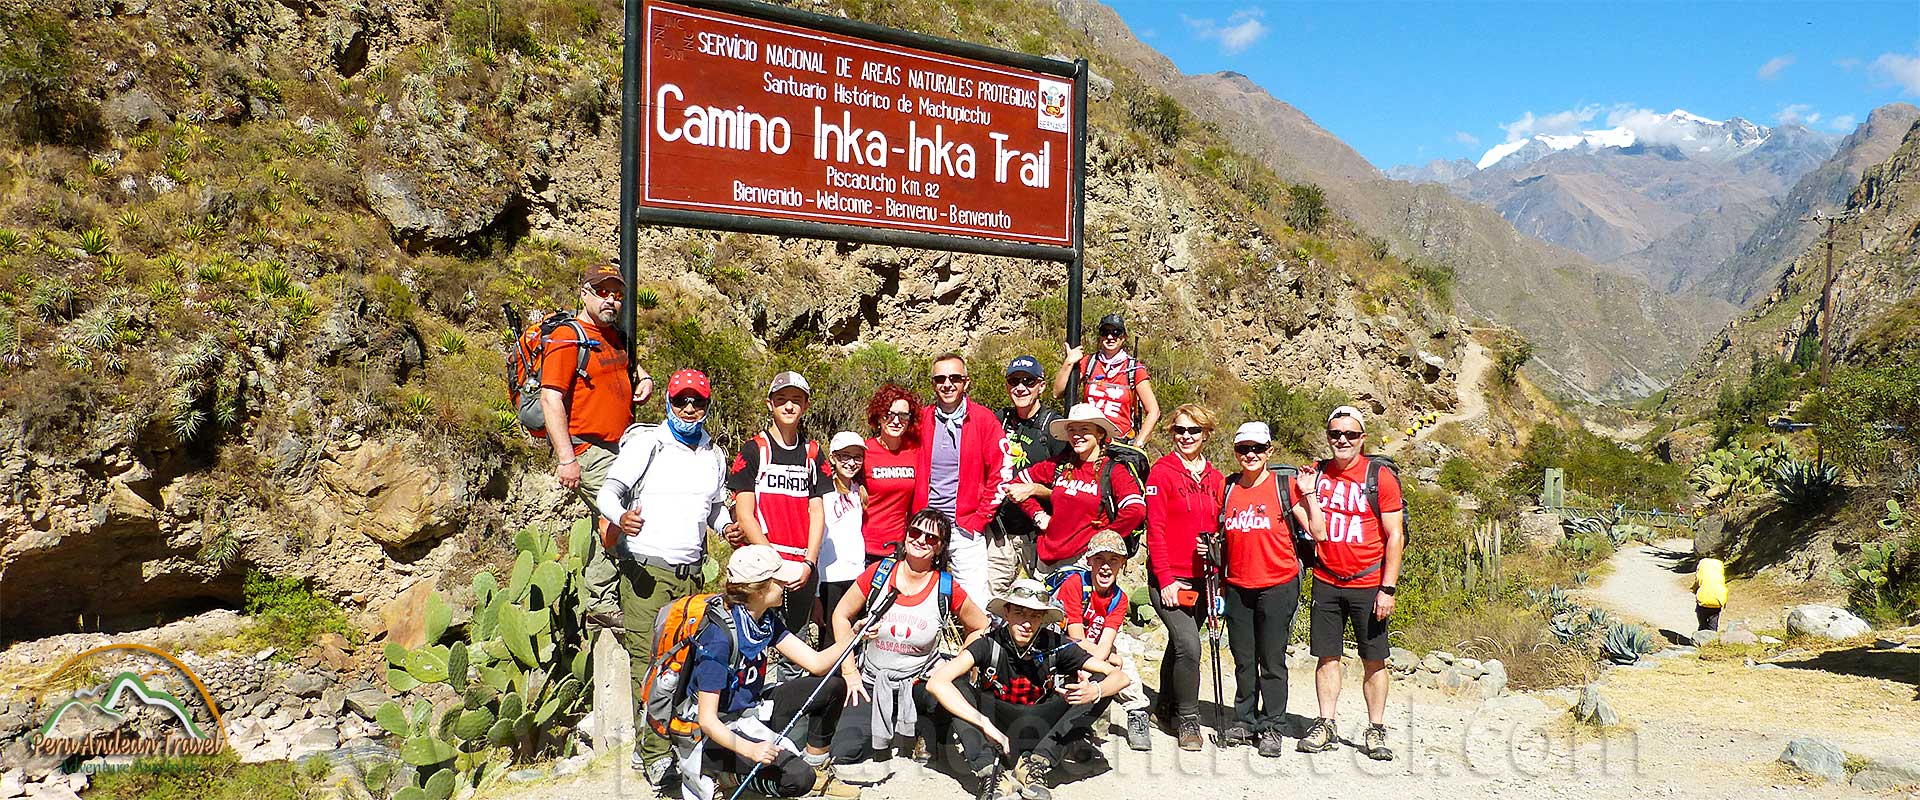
(521,672)
(1803,484)
(1626,642)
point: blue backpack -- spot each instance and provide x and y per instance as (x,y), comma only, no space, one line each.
(885,571)
(1058,579)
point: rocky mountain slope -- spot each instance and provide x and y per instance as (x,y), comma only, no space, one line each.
(252,257)
(1876,285)
(1598,334)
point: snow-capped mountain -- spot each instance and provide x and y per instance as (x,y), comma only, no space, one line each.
(1691,135)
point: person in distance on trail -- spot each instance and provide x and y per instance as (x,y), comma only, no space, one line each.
(1709,594)
(778,480)
(843,552)
(965,461)
(1027,699)
(1355,574)
(1183,501)
(886,695)
(1263,587)
(1113,381)
(587,411)
(1074,478)
(668,488)
(892,477)
(740,716)
(1010,547)
(1095,608)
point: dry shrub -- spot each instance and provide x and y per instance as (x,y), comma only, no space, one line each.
(1518,638)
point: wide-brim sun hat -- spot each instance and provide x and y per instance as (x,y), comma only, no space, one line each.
(1029,594)
(1083,412)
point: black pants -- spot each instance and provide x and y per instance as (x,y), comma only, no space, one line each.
(796,610)
(822,715)
(788,775)
(1259,623)
(830,594)
(1709,618)
(1042,728)
(1180,665)
(853,741)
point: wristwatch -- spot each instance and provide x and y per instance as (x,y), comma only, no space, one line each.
(1388,590)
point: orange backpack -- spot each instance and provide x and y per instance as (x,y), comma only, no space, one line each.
(671,710)
(529,348)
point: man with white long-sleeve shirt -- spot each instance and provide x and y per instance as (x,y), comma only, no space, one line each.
(663,492)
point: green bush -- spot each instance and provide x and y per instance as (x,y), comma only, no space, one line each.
(1437,277)
(1306,207)
(287,615)
(220,777)
(1156,115)
(1297,416)
(1746,407)
(1509,359)
(1867,415)
(39,69)
(1600,468)
(1461,476)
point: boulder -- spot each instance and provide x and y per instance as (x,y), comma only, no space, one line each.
(1881,774)
(1740,637)
(1432,663)
(1593,708)
(1817,757)
(1469,667)
(306,684)
(133,110)
(395,500)
(1493,679)
(1710,536)
(310,736)
(1401,659)
(406,616)
(1826,622)
(1704,638)
(366,701)
(1540,530)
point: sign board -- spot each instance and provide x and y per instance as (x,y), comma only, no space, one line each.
(749,113)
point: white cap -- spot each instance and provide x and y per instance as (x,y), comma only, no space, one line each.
(1255,432)
(844,440)
(789,380)
(1348,411)
(758,562)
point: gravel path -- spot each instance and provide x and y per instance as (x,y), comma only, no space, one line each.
(1649,583)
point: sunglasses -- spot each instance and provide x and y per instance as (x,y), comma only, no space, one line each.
(690,401)
(923,534)
(1112,334)
(1351,436)
(604,294)
(943,380)
(1023,382)
(1182,430)
(1250,449)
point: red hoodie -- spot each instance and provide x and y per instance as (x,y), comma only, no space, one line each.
(1076,506)
(984,466)
(1178,510)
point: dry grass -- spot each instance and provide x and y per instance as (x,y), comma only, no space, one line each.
(1518,638)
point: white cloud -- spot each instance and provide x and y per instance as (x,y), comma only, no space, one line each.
(1797,114)
(1242,29)
(1848,64)
(1558,122)
(1843,123)
(1899,69)
(1774,67)
(1465,138)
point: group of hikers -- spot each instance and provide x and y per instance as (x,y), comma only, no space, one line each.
(949,577)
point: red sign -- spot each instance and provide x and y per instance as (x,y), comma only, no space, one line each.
(749,116)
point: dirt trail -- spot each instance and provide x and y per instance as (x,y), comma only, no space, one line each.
(1649,583)
(1470,391)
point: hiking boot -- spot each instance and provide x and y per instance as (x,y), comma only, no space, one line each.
(825,784)
(1080,751)
(1031,775)
(1191,739)
(921,753)
(1319,739)
(1138,736)
(1375,743)
(657,772)
(1271,745)
(1235,734)
(1004,786)
(863,773)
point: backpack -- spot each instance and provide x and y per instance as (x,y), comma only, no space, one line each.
(1375,463)
(766,453)
(1134,461)
(987,675)
(885,571)
(526,353)
(1059,578)
(1302,540)
(670,711)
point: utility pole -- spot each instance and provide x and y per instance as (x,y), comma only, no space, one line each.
(1826,292)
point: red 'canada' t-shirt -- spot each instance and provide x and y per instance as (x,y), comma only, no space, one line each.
(1076,506)
(1354,538)
(782,488)
(1094,613)
(891,480)
(1259,545)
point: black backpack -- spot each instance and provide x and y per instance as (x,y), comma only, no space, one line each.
(1375,463)
(1134,461)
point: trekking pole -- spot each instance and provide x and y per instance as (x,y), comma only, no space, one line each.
(1213,601)
(993,779)
(873,619)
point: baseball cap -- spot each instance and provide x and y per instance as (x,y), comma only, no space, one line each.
(1106,542)
(1255,432)
(1026,364)
(758,562)
(844,440)
(1348,411)
(1113,321)
(689,381)
(602,271)
(789,379)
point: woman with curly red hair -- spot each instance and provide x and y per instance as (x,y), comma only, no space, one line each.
(894,483)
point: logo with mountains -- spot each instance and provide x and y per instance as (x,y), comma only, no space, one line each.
(154,705)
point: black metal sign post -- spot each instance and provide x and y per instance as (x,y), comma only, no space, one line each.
(632,214)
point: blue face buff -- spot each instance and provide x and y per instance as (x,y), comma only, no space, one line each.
(689,433)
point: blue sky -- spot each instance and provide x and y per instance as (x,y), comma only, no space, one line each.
(1406,82)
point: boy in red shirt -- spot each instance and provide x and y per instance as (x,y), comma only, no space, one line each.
(1094,616)
(1355,574)
(779,481)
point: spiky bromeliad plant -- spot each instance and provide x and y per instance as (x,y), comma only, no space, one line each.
(521,672)
(1804,484)
(1626,642)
